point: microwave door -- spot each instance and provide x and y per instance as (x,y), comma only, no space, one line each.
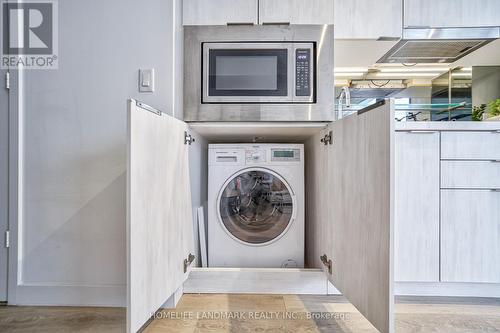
(247,73)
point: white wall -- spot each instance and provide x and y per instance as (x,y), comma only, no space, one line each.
(72,233)
(485,84)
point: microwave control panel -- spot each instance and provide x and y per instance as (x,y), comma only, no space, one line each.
(303,72)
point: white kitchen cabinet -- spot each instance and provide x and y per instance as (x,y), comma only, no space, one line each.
(417,206)
(470,174)
(224,12)
(296,11)
(220,12)
(451,13)
(470,236)
(472,145)
(368,19)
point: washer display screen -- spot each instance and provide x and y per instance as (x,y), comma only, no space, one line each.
(256,207)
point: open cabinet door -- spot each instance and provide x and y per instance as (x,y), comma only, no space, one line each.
(159,212)
(360,241)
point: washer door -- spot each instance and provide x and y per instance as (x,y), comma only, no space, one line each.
(256,206)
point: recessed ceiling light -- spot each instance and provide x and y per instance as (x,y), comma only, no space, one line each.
(348,74)
(413,69)
(350,69)
(461,74)
(407,74)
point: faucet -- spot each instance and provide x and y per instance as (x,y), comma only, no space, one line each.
(344,94)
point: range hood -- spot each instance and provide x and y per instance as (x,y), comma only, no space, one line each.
(438,45)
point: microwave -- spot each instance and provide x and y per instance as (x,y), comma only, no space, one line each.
(257,72)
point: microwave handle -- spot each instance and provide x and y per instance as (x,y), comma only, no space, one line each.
(239,23)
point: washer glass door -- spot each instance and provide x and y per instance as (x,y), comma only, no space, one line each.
(256,207)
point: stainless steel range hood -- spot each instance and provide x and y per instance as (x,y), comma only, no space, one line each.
(438,45)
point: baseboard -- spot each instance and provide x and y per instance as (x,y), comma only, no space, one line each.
(257,281)
(70,295)
(447,289)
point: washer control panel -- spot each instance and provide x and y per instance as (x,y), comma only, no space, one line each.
(285,154)
(255,155)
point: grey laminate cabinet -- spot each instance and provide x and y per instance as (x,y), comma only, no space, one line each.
(470,236)
(159,211)
(368,19)
(417,206)
(451,13)
(220,12)
(471,145)
(296,11)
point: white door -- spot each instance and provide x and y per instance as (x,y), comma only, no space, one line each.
(4,185)
(359,245)
(159,211)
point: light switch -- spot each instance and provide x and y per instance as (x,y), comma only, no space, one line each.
(146,80)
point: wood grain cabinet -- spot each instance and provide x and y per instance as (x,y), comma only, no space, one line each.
(417,206)
(451,13)
(470,236)
(223,12)
(368,19)
(220,12)
(296,11)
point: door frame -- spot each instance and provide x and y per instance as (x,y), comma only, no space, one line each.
(14,182)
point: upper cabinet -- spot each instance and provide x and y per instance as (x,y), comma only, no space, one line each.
(224,12)
(296,11)
(220,12)
(368,19)
(451,13)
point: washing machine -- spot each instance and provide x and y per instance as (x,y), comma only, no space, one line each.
(256,205)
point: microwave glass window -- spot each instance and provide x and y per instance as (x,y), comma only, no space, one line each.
(246,73)
(249,72)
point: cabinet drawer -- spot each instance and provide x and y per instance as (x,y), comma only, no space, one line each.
(470,236)
(470,145)
(470,174)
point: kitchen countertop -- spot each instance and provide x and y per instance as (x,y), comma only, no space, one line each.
(448,126)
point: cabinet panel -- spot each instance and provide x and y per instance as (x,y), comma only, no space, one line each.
(219,12)
(159,211)
(417,207)
(296,11)
(368,19)
(360,166)
(470,174)
(451,13)
(316,199)
(470,145)
(470,236)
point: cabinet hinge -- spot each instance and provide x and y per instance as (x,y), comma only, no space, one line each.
(7,80)
(327,262)
(7,238)
(188,261)
(327,139)
(188,138)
